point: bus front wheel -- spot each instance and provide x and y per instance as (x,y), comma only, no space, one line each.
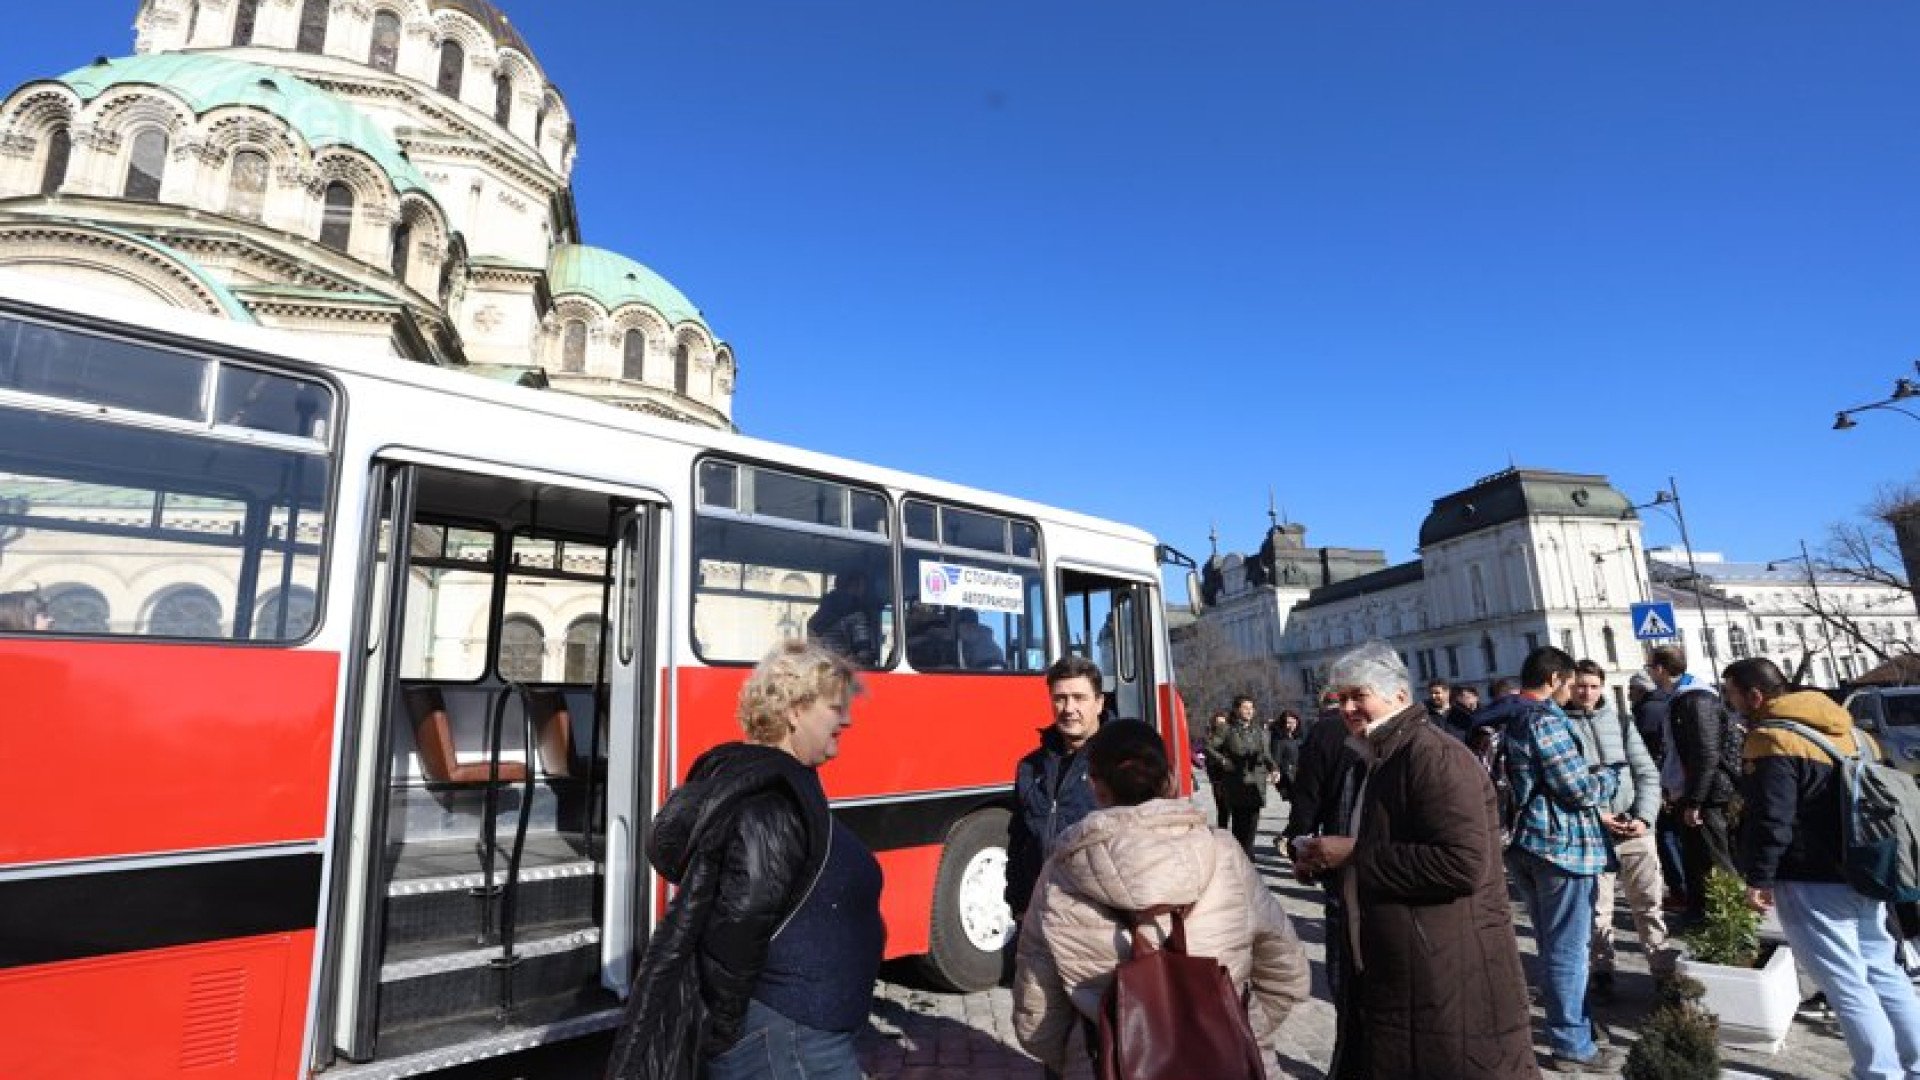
(971,924)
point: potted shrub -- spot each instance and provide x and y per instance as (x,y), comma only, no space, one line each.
(1749,984)
(1680,1040)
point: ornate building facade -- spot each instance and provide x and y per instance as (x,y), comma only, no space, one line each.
(1530,557)
(393,173)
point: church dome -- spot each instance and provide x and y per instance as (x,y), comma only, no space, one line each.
(206,83)
(614,280)
(489,16)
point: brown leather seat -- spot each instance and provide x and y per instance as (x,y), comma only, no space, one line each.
(433,734)
(553,727)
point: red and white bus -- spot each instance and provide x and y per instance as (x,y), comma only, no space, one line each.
(364,679)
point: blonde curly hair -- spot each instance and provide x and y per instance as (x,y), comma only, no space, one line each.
(795,673)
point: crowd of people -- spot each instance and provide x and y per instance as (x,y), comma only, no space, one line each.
(1417,817)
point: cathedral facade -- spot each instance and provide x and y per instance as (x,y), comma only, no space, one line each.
(392,173)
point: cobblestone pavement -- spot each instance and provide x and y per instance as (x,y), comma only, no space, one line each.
(921,1034)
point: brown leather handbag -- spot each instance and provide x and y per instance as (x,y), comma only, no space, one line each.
(1171,1016)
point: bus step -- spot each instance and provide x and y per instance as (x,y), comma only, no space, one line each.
(449,909)
(441,985)
(429,1048)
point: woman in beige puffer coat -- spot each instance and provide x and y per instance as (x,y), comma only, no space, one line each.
(1142,850)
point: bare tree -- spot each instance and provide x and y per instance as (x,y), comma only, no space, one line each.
(1881,549)
(1211,671)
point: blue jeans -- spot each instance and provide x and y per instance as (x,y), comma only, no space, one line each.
(1840,939)
(1560,906)
(772,1047)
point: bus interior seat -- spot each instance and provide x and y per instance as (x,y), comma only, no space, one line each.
(433,733)
(553,730)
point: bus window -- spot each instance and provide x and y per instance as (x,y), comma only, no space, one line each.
(1106,619)
(169,524)
(974,591)
(448,597)
(780,556)
(551,633)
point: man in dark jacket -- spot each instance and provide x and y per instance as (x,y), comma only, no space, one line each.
(1698,773)
(1790,855)
(1051,792)
(1324,788)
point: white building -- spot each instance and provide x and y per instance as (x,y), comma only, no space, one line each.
(1529,557)
(392,173)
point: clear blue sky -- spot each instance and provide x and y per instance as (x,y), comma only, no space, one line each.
(1149,260)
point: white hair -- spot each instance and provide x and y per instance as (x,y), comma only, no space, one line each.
(1375,666)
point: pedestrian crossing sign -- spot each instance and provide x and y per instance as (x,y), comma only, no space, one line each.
(1653,621)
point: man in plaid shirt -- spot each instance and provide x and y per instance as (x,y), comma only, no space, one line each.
(1559,849)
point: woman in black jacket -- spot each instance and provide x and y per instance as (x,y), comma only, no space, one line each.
(764,964)
(1283,745)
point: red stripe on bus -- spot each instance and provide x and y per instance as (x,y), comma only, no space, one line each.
(906,897)
(230,1010)
(910,733)
(123,748)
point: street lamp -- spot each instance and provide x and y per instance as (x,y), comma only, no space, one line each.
(1903,390)
(1668,501)
(1813,586)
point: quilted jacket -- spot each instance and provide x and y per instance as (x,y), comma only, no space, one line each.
(1130,858)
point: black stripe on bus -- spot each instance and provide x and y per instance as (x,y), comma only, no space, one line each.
(75,916)
(909,823)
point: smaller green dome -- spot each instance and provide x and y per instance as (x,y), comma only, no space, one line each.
(206,83)
(613,280)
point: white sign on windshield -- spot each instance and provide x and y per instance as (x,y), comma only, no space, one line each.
(953,585)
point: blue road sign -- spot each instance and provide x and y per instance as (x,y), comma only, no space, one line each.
(1654,621)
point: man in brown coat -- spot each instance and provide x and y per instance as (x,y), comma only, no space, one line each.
(1440,993)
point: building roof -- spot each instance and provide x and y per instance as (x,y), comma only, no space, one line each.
(613,280)
(490,17)
(1516,494)
(207,82)
(1785,573)
(1393,577)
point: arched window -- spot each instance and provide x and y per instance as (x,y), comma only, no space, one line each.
(1609,644)
(59,150)
(247,185)
(453,67)
(385,52)
(402,249)
(243,17)
(1478,586)
(583,650)
(298,613)
(193,20)
(682,367)
(573,347)
(336,220)
(187,611)
(522,646)
(1488,654)
(502,99)
(313,26)
(633,355)
(77,609)
(539,123)
(146,165)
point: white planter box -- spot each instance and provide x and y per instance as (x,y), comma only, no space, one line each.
(1755,1005)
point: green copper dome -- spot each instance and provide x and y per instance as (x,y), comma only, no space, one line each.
(613,280)
(206,83)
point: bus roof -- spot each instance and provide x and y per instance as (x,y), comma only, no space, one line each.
(335,354)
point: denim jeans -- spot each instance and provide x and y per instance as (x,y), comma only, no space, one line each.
(1560,905)
(1840,939)
(772,1047)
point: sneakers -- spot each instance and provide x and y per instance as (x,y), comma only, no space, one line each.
(1815,1010)
(1605,1060)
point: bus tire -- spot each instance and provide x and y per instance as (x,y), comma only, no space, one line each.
(971,925)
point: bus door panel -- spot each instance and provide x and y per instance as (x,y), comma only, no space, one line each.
(505,715)
(1108,620)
